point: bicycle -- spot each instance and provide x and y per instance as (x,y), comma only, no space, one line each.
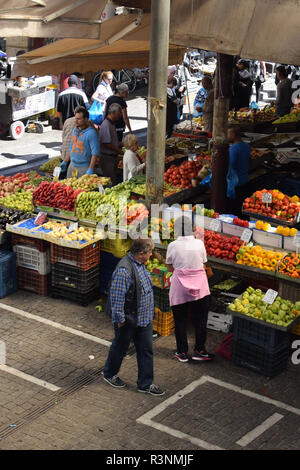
(119,76)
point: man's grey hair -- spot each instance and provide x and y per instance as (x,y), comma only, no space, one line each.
(122,88)
(114,108)
(141,245)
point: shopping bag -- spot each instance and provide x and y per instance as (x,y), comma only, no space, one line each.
(96,113)
(232,183)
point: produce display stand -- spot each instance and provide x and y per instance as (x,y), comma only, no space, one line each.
(18,105)
(260,161)
(265,218)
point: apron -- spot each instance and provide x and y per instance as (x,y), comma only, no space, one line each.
(188,285)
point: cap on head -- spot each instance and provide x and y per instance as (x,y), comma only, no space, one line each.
(73,80)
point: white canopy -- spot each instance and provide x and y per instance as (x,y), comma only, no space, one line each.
(51,18)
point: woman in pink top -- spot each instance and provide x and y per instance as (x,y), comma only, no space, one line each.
(186,258)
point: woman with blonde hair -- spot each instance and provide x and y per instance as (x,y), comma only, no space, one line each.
(104,90)
(132,163)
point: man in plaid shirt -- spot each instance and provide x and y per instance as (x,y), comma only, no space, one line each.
(131,305)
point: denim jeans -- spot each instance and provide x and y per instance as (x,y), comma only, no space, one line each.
(142,339)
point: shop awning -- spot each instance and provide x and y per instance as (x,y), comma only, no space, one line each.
(124,43)
(51,18)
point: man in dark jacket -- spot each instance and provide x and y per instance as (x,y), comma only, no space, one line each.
(131,306)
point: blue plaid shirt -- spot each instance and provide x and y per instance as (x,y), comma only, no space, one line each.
(121,282)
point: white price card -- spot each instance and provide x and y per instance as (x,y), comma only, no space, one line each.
(246,235)
(100,188)
(40,218)
(73,227)
(56,171)
(267,198)
(270,296)
(296,240)
(215,225)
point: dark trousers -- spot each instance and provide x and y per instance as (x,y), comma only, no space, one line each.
(109,167)
(199,309)
(142,339)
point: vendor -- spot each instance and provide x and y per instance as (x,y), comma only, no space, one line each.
(132,163)
(186,258)
(284,92)
(208,106)
(84,148)
(110,144)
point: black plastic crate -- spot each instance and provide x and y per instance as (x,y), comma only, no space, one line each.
(74,296)
(258,360)
(107,266)
(161,299)
(264,336)
(70,277)
(239,288)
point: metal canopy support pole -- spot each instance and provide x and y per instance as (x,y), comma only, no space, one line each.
(157,100)
(220,154)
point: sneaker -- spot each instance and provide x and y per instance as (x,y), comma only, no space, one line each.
(181,357)
(153,390)
(115,381)
(202,356)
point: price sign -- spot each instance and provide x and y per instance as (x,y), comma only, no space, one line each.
(270,296)
(100,188)
(215,225)
(246,235)
(56,171)
(40,218)
(74,173)
(267,198)
(73,227)
(296,240)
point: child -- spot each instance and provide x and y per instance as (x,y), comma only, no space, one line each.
(132,163)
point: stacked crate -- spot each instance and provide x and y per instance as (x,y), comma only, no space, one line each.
(33,264)
(261,348)
(112,251)
(75,273)
(163,322)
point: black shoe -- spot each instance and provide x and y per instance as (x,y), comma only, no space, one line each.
(203,356)
(152,390)
(181,357)
(115,381)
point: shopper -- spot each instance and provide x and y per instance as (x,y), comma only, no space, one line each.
(120,97)
(132,163)
(244,86)
(172,107)
(131,307)
(104,91)
(283,101)
(109,143)
(239,155)
(201,97)
(208,107)
(69,99)
(257,75)
(186,258)
(69,125)
(84,147)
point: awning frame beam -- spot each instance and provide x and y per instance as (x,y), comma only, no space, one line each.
(69,6)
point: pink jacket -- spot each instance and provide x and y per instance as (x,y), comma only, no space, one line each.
(188,285)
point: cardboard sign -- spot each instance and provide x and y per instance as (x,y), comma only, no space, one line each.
(270,296)
(73,227)
(215,225)
(267,198)
(246,235)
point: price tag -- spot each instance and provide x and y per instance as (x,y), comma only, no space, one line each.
(73,227)
(296,240)
(246,235)
(215,225)
(56,171)
(100,188)
(267,198)
(74,173)
(270,296)
(40,218)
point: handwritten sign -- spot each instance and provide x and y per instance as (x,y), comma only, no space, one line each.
(267,198)
(215,225)
(56,171)
(270,296)
(73,227)
(246,235)
(100,188)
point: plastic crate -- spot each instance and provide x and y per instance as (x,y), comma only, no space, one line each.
(117,247)
(160,278)
(33,281)
(263,336)
(296,330)
(163,323)
(84,259)
(107,266)
(40,245)
(71,277)
(161,299)
(8,273)
(258,359)
(74,296)
(32,258)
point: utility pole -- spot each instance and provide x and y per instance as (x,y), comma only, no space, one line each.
(220,153)
(157,100)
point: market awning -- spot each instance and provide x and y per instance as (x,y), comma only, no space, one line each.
(51,18)
(255,29)
(124,43)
